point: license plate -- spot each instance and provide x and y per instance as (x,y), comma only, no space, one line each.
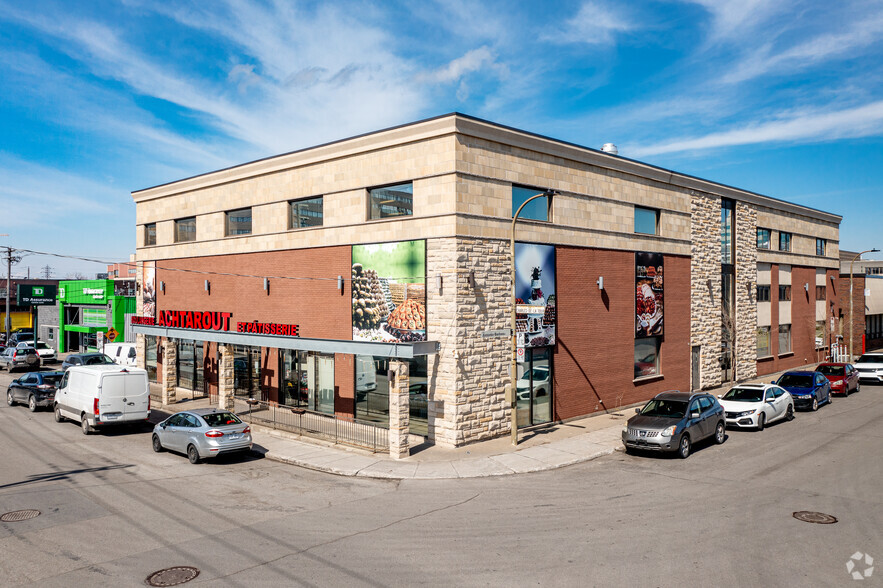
(234,435)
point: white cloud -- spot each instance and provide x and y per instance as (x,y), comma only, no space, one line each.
(860,121)
(593,24)
(472,61)
(733,19)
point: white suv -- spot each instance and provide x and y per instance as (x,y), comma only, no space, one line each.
(870,367)
(45,352)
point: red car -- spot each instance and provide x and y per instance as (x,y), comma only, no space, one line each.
(843,377)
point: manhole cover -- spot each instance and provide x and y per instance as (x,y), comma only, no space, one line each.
(19,515)
(809,516)
(172,576)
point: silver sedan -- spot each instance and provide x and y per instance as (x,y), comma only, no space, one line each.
(202,433)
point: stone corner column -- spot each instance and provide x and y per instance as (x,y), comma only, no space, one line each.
(169,371)
(141,351)
(225,377)
(399,411)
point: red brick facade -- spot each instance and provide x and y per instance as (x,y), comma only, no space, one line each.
(595,355)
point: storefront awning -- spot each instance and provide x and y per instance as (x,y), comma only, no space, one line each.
(392,350)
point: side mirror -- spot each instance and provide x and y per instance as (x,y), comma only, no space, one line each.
(720,396)
(637,411)
(694,414)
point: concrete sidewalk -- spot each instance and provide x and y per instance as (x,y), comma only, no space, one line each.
(540,448)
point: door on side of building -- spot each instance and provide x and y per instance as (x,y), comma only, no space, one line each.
(696,383)
(533,387)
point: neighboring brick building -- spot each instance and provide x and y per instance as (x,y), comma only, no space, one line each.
(867,296)
(622,270)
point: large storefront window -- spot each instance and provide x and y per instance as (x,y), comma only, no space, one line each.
(534,387)
(646,357)
(307,380)
(247,371)
(372,392)
(190,357)
(150,357)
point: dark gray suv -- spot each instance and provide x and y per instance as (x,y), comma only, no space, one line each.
(674,421)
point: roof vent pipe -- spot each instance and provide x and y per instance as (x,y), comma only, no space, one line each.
(610,148)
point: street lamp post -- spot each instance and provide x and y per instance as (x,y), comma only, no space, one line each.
(851,327)
(513,400)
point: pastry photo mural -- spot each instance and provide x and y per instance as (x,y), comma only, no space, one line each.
(389,292)
(535,299)
(648,294)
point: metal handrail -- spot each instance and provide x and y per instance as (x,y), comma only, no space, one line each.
(310,423)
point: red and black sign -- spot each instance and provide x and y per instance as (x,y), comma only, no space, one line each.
(190,319)
(268,329)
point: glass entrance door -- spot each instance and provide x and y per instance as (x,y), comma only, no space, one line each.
(307,380)
(533,387)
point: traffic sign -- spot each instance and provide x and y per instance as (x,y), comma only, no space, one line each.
(111,334)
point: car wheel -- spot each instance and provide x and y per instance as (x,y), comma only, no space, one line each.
(58,417)
(789,414)
(629,450)
(157,444)
(720,433)
(858,386)
(9,399)
(684,447)
(815,403)
(192,454)
(32,403)
(761,421)
(87,428)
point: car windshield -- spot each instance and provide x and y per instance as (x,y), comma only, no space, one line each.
(830,370)
(42,345)
(796,381)
(744,395)
(97,360)
(219,419)
(52,380)
(870,358)
(665,408)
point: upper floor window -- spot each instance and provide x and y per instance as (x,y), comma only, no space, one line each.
(391,201)
(784,241)
(536,209)
(784,293)
(821,293)
(764,236)
(646,220)
(185,229)
(238,222)
(305,213)
(820,247)
(728,222)
(763,293)
(150,234)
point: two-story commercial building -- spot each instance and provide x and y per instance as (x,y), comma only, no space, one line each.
(353,276)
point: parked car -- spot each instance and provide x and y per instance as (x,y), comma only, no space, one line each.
(756,405)
(19,335)
(100,395)
(842,376)
(86,359)
(121,353)
(46,353)
(36,389)
(870,367)
(202,433)
(674,421)
(808,389)
(20,357)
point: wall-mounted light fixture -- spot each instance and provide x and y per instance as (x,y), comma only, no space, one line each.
(340,284)
(438,284)
(267,286)
(600,282)
(162,286)
(208,287)
(470,279)
(806,287)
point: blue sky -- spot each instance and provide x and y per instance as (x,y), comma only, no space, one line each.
(102,98)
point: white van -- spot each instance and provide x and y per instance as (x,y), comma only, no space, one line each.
(121,353)
(99,395)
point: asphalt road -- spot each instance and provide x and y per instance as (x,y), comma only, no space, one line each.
(112,512)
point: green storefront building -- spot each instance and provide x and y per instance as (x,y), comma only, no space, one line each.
(90,307)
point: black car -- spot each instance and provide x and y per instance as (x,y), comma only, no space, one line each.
(19,335)
(674,421)
(96,358)
(36,388)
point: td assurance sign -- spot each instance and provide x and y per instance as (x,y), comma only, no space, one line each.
(30,295)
